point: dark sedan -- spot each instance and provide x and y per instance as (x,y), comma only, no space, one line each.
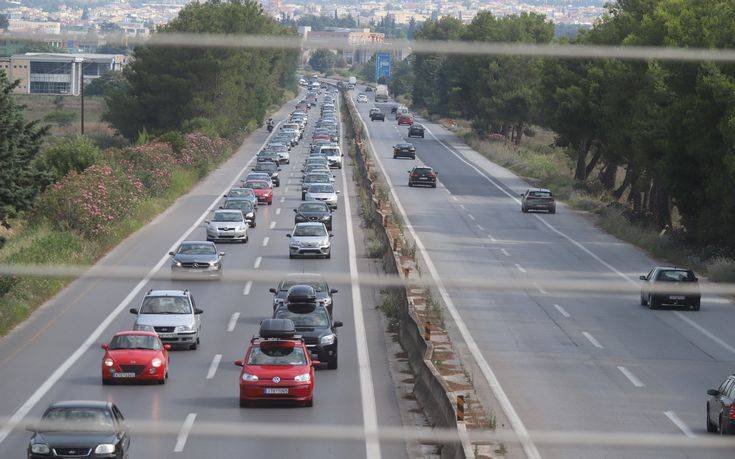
(416,130)
(377,116)
(93,429)
(314,211)
(404,150)
(196,257)
(314,324)
(247,208)
(271,168)
(422,175)
(672,287)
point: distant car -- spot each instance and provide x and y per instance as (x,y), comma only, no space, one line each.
(314,323)
(310,239)
(538,199)
(393,108)
(324,193)
(246,207)
(316,161)
(721,408)
(247,194)
(277,366)
(135,356)
(271,168)
(196,257)
(377,116)
(324,294)
(405,120)
(416,130)
(368,89)
(227,225)
(172,314)
(77,429)
(265,176)
(405,150)
(263,190)
(315,169)
(422,175)
(670,287)
(314,211)
(333,154)
(269,156)
(362,98)
(312,179)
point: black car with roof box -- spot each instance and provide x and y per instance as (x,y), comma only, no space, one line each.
(314,323)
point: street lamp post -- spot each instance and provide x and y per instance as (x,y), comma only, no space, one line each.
(80,61)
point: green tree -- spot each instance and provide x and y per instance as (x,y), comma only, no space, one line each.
(3,22)
(67,154)
(323,60)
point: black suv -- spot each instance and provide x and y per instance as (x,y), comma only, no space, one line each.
(422,175)
(271,168)
(670,286)
(314,324)
(377,116)
(314,211)
(322,292)
(416,130)
(721,408)
(406,150)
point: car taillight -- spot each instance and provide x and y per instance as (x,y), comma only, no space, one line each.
(732,411)
(414,175)
(431,174)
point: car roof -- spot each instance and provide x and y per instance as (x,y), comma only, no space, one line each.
(672,268)
(135,332)
(304,276)
(168,292)
(99,404)
(227,211)
(197,242)
(404,144)
(310,224)
(543,190)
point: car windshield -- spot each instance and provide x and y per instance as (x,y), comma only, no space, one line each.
(321,189)
(310,230)
(276,355)
(317,318)
(68,418)
(165,305)
(266,166)
(135,342)
(197,249)
(257,185)
(252,177)
(313,207)
(240,192)
(675,275)
(227,217)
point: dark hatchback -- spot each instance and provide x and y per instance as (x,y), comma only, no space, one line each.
(404,150)
(314,324)
(322,292)
(416,130)
(377,116)
(78,429)
(314,211)
(670,287)
(422,175)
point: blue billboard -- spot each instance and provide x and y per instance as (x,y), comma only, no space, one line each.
(382,65)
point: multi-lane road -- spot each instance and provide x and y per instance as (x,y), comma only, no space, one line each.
(56,354)
(562,361)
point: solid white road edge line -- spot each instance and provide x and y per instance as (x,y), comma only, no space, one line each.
(577,244)
(367,391)
(592,340)
(562,311)
(516,423)
(233,321)
(679,423)
(213,366)
(631,377)
(28,405)
(184,432)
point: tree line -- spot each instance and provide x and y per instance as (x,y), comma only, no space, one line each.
(658,135)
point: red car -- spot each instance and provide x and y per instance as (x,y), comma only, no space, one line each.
(277,366)
(262,190)
(319,137)
(405,119)
(135,356)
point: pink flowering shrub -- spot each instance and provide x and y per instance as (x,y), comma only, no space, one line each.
(200,148)
(152,163)
(90,201)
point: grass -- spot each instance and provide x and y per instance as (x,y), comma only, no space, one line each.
(37,106)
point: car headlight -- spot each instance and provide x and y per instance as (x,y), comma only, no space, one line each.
(327,301)
(138,327)
(178,263)
(295,244)
(212,263)
(326,217)
(242,228)
(250,215)
(306,377)
(155,363)
(40,448)
(183,328)
(249,377)
(104,448)
(108,362)
(327,340)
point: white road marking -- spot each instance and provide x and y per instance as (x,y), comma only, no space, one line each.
(679,423)
(540,289)
(592,340)
(265,241)
(278,211)
(492,239)
(461,206)
(273,225)
(214,365)
(577,244)
(248,286)
(91,340)
(503,400)
(455,198)
(505,252)
(472,217)
(562,311)
(521,268)
(257,262)
(631,377)
(285,190)
(184,432)
(233,321)
(283,199)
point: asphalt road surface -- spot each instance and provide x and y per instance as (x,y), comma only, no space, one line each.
(56,354)
(564,361)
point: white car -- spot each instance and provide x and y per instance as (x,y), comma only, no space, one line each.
(322,192)
(362,98)
(310,239)
(333,154)
(227,225)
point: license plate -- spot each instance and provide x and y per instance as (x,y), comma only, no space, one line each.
(276,390)
(423,178)
(677,297)
(165,335)
(123,375)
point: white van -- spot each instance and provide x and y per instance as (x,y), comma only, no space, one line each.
(333,154)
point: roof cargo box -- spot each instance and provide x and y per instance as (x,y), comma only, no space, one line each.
(277,328)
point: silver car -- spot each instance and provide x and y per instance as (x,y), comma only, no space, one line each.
(310,239)
(321,192)
(172,314)
(227,225)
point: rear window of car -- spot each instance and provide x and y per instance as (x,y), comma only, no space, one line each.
(675,275)
(422,170)
(276,355)
(540,194)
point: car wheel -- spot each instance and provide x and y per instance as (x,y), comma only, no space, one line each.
(270,202)
(711,428)
(329,254)
(309,403)
(643,301)
(253,224)
(332,363)
(422,136)
(652,304)
(106,382)
(193,347)
(410,184)
(695,305)
(290,255)
(247,238)
(162,381)
(303,196)
(552,210)
(433,185)
(524,210)
(244,404)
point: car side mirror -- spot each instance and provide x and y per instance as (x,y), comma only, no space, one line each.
(642,278)
(296,210)
(198,311)
(221,254)
(31,427)
(521,195)
(221,207)
(167,347)
(695,279)
(336,192)
(224,195)
(206,221)
(288,235)
(171,253)
(273,291)
(105,347)
(239,363)
(133,310)
(713,392)
(333,291)
(338,324)
(331,235)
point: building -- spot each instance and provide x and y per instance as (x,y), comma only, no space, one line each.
(346,42)
(48,73)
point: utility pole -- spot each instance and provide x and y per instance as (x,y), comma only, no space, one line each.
(81,90)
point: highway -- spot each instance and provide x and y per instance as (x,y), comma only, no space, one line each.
(563,361)
(56,355)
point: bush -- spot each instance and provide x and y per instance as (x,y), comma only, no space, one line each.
(175,139)
(201,151)
(203,125)
(151,164)
(721,269)
(60,117)
(68,154)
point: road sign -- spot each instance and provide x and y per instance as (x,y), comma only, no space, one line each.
(382,65)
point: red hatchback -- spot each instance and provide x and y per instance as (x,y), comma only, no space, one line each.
(405,119)
(135,356)
(263,190)
(277,366)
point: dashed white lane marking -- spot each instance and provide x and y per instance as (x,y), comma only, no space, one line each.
(278,211)
(505,252)
(521,268)
(233,321)
(257,262)
(472,217)
(248,286)
(273,225)
(265,241)
(455,198)
(540,289)
(592,340)
(679,423)
(480,227)
(213,366)
(461,206)
(283,199)
(631,377)
(285,190)
(184,432)
(562,311)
